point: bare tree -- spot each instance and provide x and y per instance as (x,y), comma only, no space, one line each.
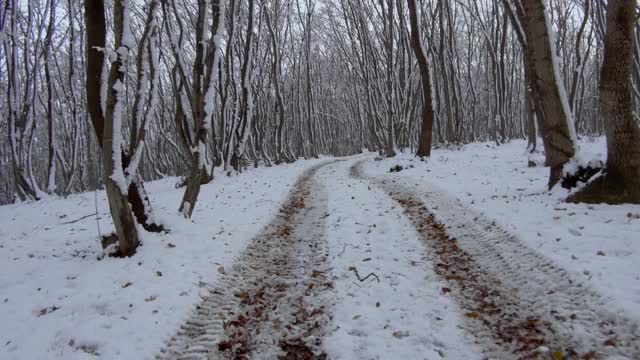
(389,25)
(205,70)
(48,45)
(246,113)
(554,115)
(426,129)
(106,107)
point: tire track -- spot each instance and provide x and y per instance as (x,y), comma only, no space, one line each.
(517,303)
(275,301)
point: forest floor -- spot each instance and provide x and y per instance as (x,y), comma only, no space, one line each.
(463,256)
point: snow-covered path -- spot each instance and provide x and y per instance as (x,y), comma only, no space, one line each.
(404,315)
(339,273)
(358,267)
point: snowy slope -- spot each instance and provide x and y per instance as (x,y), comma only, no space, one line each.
(58,301)
(599,243)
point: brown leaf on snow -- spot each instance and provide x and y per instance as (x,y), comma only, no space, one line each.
(472,315)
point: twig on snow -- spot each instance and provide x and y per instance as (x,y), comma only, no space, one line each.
(353,268)
(344,249)
(82,218)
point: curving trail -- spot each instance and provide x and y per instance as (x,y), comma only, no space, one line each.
(467,290)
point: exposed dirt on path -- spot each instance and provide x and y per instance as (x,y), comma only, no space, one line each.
(274,302)
(517,303)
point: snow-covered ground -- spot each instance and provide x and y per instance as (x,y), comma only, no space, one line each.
(404,315)
(599,243)
(58,301)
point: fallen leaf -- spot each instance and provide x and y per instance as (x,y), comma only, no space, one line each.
(472,315)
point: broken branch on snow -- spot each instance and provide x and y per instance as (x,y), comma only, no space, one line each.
(353,268)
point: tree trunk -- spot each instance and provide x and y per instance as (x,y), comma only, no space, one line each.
(426,130)
(530,111)
(621,182)
(204,79)
(96,31)
(555,122)
(124,200)
(390,143)
(51,167)
(112,171)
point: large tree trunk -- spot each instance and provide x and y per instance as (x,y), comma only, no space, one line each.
(112,171)
(424,142)
(96,71)
(106,116)
(621,182)
(554,118)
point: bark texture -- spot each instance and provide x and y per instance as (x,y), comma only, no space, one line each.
(621,182)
